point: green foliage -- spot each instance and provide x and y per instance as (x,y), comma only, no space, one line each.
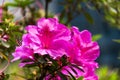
(20,3)
(88,17)
(72,9)
(8,36)
(96,37)
(116,40)
(105,73)
(81,78)
(47,65)
(110,9)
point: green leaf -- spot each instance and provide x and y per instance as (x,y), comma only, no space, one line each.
(62,15)
(96,37)
(5,44)
(81,78)
(8,62)
(64,60)
(109,74)
(112,11)
(116,40)
(71,74)
(31,65)
(73,69)
(78,67)
(12,4)
(6,77)
(20,3)
(4,56)
(110,19)
(88,17)
(63,77)
(70,1)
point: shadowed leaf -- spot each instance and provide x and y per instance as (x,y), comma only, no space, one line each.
(63,77)
(88,17)
(77,67)
(71,74)
(73,69)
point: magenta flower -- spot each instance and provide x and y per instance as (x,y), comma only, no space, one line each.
(24,53)
(49,37)
(83,52)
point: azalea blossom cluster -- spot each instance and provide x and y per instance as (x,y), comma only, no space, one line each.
(58,42)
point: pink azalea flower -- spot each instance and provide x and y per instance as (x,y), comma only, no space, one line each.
(23,52)
(47,37)
(83,51)
(5,37)
(83,46)
(55,39)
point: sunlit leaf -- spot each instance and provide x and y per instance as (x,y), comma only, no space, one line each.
(4,56)
(116,40)
(109,74)
(80,78)
(112,11)
(96,37)
(12,4)
(5,44)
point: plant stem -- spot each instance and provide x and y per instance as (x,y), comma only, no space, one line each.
(46,8)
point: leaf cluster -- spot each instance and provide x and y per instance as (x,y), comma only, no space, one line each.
(49,67)
(106,73)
